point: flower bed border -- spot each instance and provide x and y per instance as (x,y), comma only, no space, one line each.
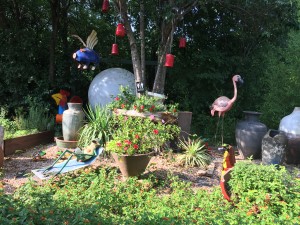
(9,146)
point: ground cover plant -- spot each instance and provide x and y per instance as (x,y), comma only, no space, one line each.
(99,196)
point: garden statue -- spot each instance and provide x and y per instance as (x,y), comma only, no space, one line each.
(87,56)
(224,104)
(228,164)
(61,100)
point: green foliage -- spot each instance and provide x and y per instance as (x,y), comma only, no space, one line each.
(282,81)
(98,196)
(37,118)
(97,126)
(137,135)
(195,152)
(144,103)
(260,190)
(9,126)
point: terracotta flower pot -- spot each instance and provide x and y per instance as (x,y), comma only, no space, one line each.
(133,165)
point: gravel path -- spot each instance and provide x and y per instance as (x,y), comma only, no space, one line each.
(161,165)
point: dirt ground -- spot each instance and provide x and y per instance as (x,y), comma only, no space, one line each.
(17,167)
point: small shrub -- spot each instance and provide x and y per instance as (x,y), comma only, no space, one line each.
(194,153)
(37,118)
(97,126)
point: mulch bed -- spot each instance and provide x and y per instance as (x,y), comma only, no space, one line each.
(19,165)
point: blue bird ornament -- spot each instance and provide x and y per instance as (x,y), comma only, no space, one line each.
(87,57)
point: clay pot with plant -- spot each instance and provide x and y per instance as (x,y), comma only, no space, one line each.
(135,140)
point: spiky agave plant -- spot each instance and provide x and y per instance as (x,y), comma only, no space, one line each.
(97,126)
(194,153)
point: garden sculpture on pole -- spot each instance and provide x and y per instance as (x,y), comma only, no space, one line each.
(87,56)
(224,104)
(228,164)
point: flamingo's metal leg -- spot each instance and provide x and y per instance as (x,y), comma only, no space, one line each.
(217,130)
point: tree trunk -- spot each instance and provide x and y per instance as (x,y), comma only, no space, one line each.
(136,60)
(64,37)
(54,5)
(143,45)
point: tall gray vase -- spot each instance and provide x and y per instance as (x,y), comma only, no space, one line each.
(249,134)
(72,121)
(273,146)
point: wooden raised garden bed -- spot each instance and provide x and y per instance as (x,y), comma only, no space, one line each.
(24,142)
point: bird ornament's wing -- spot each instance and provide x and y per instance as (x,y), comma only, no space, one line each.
(221,101)
(79,38)
(92,40)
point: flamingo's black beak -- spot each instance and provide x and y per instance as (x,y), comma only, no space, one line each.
(240,81)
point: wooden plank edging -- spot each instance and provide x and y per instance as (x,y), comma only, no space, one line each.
(28,141)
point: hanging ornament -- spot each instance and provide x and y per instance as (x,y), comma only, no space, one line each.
(120,31)
(114,49)
(105,6)
(169,60)
(182,42)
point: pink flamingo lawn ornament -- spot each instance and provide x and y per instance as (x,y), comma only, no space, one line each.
(224,104)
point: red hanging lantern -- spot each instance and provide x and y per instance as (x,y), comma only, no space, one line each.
(169,60)
(115,50)
(105,6)
(120,31)
(182,42)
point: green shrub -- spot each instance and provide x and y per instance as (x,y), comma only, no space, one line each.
(37,118)
(93,196)
(261,190)
(97,126)
(195,153)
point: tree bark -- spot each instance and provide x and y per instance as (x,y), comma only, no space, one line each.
(136,60)
(143,45)
(54,5)
(167,32)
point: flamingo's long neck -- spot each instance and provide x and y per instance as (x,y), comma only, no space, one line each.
(235,92)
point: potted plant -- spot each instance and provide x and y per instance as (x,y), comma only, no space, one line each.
(135,140)
(145,105)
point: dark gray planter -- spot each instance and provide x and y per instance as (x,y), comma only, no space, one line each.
(249,134)
(274,145)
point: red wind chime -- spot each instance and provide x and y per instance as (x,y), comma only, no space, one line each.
(120,32)
(169,60)
(182,40)
(105,6)
(170,57)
